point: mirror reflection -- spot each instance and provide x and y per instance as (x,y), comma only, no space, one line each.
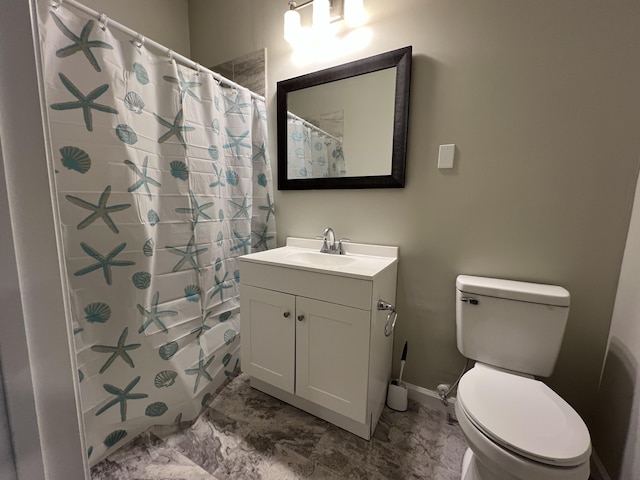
(342,128)
(346,126)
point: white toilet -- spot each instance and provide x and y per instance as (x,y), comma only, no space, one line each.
(516,426)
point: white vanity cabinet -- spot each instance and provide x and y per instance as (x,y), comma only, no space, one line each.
(268,348)
(311,332)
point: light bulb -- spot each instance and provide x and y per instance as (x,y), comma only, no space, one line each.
(354,13)
(292,26)
(321,15)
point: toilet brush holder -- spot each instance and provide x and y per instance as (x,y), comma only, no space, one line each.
(397,395)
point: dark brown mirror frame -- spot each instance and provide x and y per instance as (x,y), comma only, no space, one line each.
(401,59)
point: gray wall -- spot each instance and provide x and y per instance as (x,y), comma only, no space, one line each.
(616,427)
(164,21)
(542,100)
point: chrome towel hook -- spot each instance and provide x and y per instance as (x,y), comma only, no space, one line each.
(390,324)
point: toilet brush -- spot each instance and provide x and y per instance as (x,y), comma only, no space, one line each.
(397,392)
(403,359)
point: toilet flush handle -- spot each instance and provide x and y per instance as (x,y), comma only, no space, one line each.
(470,300)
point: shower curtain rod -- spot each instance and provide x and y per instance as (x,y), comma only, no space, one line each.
(141,40)
(311,125)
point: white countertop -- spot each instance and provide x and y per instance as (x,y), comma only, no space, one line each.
(359,261)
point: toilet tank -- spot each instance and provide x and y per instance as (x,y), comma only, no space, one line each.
(513,325)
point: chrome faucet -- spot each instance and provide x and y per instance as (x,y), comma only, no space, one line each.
(329,242)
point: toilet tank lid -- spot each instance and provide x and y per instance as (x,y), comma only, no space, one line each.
(513,290)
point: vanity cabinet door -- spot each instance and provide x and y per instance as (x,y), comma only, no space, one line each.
(268,336)
(332,357)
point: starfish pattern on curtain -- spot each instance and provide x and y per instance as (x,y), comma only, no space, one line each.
(163,179)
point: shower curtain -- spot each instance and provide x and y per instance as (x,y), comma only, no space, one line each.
(162,179)
(312,154)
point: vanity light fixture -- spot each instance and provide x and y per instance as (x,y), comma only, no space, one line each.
(321,16)
(354,13)
(325,12)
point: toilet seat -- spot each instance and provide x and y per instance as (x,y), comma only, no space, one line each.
(524,416)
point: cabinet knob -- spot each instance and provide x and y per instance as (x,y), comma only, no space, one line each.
(300,318)
(286,314)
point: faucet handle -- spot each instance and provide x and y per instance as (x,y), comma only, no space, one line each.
(340,249)
(325,245)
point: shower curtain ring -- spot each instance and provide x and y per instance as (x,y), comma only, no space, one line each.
(215,77)
(104,20)
(56,4)
(139,42)
(170,55)
(197,67)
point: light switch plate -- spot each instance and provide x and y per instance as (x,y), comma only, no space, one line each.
(445,155)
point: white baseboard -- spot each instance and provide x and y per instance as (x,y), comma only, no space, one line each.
(430,398)
(598,472)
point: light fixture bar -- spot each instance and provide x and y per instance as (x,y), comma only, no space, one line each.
(325,12)
(295,6)
(336,8)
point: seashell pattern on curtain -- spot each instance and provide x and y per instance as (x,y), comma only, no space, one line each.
(162,179)
(312,154)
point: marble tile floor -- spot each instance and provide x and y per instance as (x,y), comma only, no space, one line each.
(247,435)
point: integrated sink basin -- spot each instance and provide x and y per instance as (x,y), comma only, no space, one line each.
(359,261)
(316,259)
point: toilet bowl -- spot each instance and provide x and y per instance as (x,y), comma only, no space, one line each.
(518,428)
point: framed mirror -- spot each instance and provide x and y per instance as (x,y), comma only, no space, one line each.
(345,126)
